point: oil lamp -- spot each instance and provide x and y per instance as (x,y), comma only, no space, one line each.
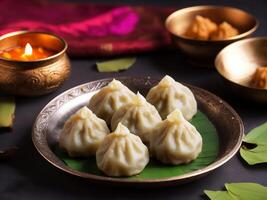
(32,63)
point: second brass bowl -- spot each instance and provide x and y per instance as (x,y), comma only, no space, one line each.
(203,52)
(237,63)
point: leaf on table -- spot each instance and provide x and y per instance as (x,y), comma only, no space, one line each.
(258,138)
(115,65)
(249,191)
(219,195)
(7,110)
(239,191)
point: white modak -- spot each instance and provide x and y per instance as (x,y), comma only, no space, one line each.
(122,153)
(175,140)
(82,133)
(135,121)
(109,99)
(169,95)
(139,116)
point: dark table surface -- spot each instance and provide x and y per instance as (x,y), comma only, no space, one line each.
(29,176)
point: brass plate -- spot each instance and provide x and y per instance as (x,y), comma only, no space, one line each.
(51,119)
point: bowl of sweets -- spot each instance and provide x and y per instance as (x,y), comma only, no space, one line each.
(200,32)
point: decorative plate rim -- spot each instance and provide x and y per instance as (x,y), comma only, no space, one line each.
(85,88)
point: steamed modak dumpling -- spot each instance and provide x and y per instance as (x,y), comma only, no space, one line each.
(122,153)
(169,95)
(201,28)
(175,140)
(225,30)
(139,116)
(82,133)
(109,99)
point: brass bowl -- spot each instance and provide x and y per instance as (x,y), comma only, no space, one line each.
(30,78)
(49,123)
(203,52)
(237,63)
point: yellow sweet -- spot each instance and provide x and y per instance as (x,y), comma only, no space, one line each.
(201,28)
(259,78)
(225,30)
(6,55)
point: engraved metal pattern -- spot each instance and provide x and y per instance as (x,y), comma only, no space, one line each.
(35,81)
(34,77)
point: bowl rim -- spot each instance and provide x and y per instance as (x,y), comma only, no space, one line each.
(219,55)
(201,7)
(23,32)
(104,179)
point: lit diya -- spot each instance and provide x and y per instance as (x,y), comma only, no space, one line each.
(27,53)
(32,63)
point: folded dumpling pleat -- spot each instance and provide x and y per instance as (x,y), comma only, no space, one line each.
(169,95)
(175,140)
(109,99)
(139,116)
(82,133)
(122,153)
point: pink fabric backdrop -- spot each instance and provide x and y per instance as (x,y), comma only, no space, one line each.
(90,29)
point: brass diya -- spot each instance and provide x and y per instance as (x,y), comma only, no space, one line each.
(35,77)
(204,51)
(238,62)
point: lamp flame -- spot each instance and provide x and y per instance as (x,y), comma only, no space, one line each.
(28,50)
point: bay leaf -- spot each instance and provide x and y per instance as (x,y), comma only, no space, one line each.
(258,138)
(7,110)
(239,191)
(254,156)
(219,195)
(247,191)
(115,65)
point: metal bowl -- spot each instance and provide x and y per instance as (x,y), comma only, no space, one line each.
(38,77)
(237,63)
(49,122)
(203,52)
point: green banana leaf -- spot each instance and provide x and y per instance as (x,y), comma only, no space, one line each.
(155,169)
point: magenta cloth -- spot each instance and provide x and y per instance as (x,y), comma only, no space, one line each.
(90,29)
